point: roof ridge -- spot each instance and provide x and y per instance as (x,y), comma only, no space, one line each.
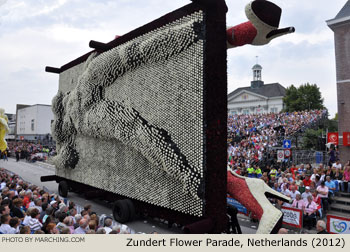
(344,12)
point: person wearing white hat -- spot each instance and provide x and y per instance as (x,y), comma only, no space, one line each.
(54,205)
(307,193)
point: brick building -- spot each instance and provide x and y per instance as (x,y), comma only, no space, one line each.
(340,25)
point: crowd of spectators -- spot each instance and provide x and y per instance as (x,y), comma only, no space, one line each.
(251,137)
(28,151)
(310,188)
(28,209)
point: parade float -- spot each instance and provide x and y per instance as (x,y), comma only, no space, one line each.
(141,121)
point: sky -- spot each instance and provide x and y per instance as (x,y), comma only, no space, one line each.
(39,33)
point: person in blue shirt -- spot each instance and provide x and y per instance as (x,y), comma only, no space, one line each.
(331,186)
(276,187)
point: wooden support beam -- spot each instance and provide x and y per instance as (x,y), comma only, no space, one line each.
(98,45)
(52,70)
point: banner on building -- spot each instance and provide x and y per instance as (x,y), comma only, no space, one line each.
(333,137)
(292,217)
(338,225)
(346,138)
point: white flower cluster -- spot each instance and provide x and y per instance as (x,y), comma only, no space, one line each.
(133,122)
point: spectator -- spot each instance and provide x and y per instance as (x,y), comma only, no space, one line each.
(298,181)
(346,179)
(101,230)
(68,221)
(87,208)
(77,218)
(24,230)
(27,199)
(331,186)
(62,209)
(301,169)
(276,187)
(307,193)
(281,179)
(34,222)
(92,225)
(66,230)
(273,172)
(54,205)
(313,176)
(332,157)
(48,213)
(27,217)
(298,202)
(14,223)
(321,227)
(337,165)
(61,224)
(95,218)
(282,231)
(293,192)
(83,226)
(16,210)
(307,181)
(43,212)
(258,172)
(323,193)
(318,180)
(323,176)
(51,228)
(72,211)
(5,227)
(4,209)
(108,225)
(285,190)
(37,204)
(289,178)
(310,212)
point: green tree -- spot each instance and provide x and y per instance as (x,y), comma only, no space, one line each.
(311,139)
(305,97)
(332,124)
(335,117)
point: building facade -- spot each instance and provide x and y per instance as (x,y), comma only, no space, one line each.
(34,123)
(12,126)
(258,98)
(340,25)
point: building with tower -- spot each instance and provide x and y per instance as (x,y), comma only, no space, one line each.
(340,25)
(257,98)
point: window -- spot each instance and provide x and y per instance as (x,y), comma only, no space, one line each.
(32,124)
(246,111)
(273,110)
(233,112)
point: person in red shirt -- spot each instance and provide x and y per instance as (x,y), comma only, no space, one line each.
(293,169)
(238,170)
(27,199)
(307,181)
